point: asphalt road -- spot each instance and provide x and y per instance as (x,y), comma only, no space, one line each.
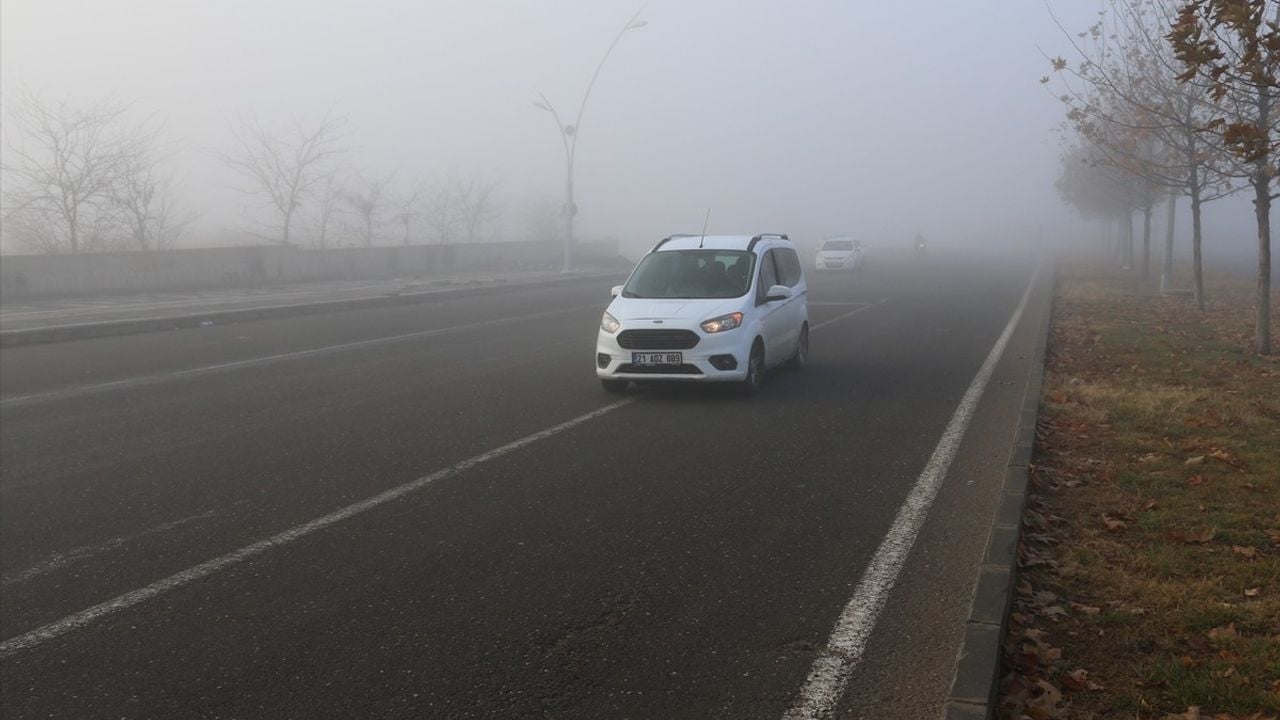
(556,553)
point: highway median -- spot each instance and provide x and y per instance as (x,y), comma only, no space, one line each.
(1148,581)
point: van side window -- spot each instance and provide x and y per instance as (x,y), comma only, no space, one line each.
(788,266)
(768,277)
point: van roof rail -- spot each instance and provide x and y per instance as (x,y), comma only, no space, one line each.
(752,245)
(664,240)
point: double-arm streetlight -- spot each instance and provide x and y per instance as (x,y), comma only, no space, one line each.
(569,136)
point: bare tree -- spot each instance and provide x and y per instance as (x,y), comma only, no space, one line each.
(440,211)
(368,201)
(476,207)
(61,168)
(144,198)
(283,167)
(329,199)
(409,207)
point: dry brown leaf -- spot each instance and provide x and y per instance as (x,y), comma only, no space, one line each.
(1196,480)
(1198,459)
(1085,609)
(1253,592)
(1248,552)
(1192,713)
(1112,523)
(1225,632)
(1075,680)
(1274,534)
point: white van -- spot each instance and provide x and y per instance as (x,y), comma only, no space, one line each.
(715,308)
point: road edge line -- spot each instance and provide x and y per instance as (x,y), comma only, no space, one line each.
(829,674)
(976,682)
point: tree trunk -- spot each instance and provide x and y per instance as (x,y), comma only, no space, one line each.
(1262,208)
(74,235)
(288,219)
(1166,266)
(1197,267)
(1146,242)
(1128,241)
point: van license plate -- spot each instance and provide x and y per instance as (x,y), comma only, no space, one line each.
(667,358)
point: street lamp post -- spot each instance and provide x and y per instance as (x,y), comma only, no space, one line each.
(569,138)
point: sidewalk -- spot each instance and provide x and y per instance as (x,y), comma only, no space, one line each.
(38,321)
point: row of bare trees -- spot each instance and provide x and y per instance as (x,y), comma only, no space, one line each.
(1169,99)
(80,179)
(299,171)
(86,179)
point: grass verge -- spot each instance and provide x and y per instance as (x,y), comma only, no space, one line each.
(1149,570)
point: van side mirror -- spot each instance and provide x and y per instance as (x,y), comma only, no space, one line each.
(616,291)
(778,292)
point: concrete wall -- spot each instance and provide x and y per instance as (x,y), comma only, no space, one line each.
(49,276)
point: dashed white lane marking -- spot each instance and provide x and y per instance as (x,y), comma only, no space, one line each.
(98,612)
(851,313)
(102,610)
(145,380)
(848,641)
(84,552)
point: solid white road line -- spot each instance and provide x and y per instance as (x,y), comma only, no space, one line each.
(84,552)
(173,582)
(145,380)
(848,641)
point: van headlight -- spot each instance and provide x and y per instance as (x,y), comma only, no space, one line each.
(609,324)
(722,323)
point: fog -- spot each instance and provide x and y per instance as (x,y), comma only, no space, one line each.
(818,118)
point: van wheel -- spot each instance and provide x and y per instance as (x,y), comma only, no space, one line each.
(801,356)
(615,387)
(755,370)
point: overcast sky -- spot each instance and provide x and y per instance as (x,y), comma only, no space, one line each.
(817,117)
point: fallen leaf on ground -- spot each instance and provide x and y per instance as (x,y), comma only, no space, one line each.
(1151,505)
(1192,713)
(1226,457)
(1196,480)
(1253,592)
(1112,523)
(1226,632)
(1076,680)
(1248,552)
(1055,611)
(1274,534)
(1085,609)
(1198,459)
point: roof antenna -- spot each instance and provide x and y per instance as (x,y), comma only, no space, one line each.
(704,228)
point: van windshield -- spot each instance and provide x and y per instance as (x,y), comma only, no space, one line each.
(838,245)
(692,274)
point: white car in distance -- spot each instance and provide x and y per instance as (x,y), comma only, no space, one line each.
(715,308)
(840,253)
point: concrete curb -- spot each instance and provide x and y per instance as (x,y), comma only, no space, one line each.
(63,333)
(976,683)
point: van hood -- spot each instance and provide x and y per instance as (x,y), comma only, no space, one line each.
(674,309)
